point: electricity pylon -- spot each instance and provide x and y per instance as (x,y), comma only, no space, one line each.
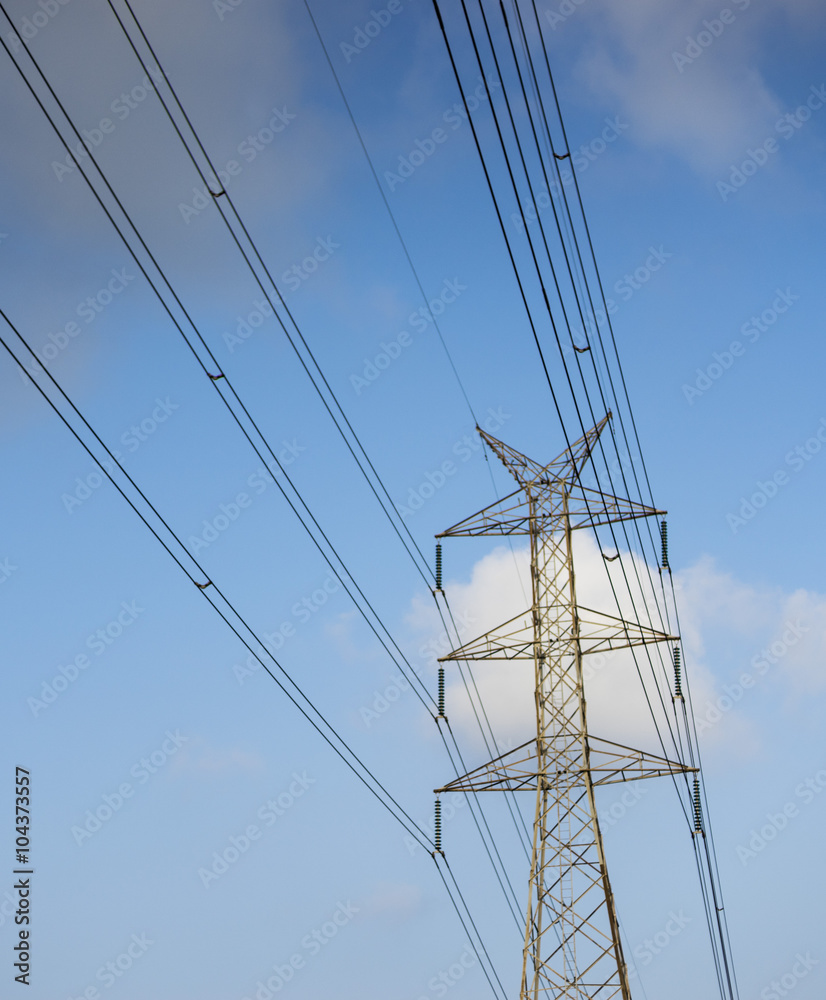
(572,944)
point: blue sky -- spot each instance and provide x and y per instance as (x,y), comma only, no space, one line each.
(698,139)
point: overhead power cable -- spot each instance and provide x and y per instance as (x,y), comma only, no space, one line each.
(474,697)
(256,252)
(229,385)
(492,850)
(359,444)
(399,526)
(528,310)
(480,67)
(244,632)
(727,971)
(232,399)
(580,280)
(300,700)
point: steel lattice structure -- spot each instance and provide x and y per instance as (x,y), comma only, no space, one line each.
(572,946)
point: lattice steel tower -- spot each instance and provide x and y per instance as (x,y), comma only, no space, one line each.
(572,944)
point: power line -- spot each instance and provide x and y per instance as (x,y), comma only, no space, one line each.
(564,363)
(260,259)
(224,377)
(342,750)
(421,691)
(214,586)
(524,298)
(392,514)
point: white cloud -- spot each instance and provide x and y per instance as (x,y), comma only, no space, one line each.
(707,110)
(499,589)
(199,758)
(725,625)
(393,900)
(804,659)
(788,631)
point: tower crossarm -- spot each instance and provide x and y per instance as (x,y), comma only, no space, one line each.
(513,640)
(514,514)
(600,632)
(509,516)
(589,508)
(522,769)
(597,633)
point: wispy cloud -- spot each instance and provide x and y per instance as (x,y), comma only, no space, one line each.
(199,758)
(701,100)
(393,900)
